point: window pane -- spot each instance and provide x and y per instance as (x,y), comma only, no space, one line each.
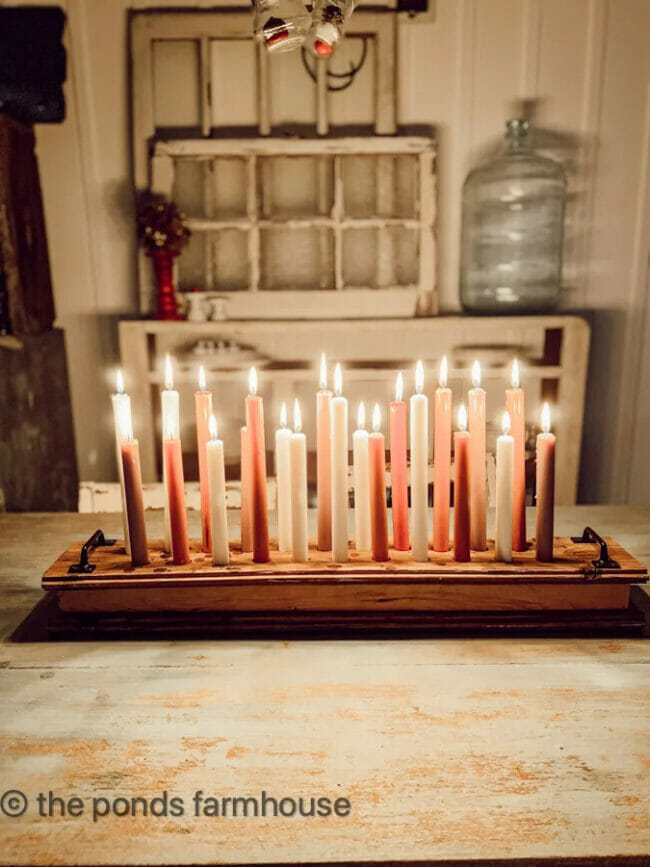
(297,259)
(176,83)
(296,186)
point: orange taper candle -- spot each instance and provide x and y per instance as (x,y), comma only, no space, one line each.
(378,513)
(173,458)
(441,461)
(545,488)
(246,506)
(462,520)
(203,411)
(399,468)
(324,460)
(477,460)
(516,409)
(257,451)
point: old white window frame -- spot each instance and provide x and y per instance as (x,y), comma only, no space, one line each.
(153,165)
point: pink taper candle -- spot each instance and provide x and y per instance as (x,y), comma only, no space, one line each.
(462,520)
(324,461)
(478,471)
(545,488)
(203,411)
(257,451)
(441,461)
(516,409)
(399,468)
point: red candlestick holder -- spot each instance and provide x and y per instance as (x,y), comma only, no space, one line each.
(163,269)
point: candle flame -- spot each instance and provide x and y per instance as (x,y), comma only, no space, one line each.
(476,375)
(419,377)
(338,381)
(201,377)
(376,418)
(462,417)
(514,374)
(444,372)
(505,423)
(546,418)
(169,373)
(297,418)
(124,420)
(252,382)
(283,415)
(119,382)
(399,386)
(361,416)
(323,372)
(212,426)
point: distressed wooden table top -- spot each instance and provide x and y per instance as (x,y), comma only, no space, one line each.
(465,749)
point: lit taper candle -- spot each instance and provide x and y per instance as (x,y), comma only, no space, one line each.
(283,480)
(257,452)
(339,445)
(545,486)
(462,519)
(361,477)
(505,471)
(203,411)
(441,460)
(298,447)
(324,460)
(170,423)
(216,474)
(134,505)
(478,468)
(419,467)
(378,514)
(516,408)
(121,407)
(399,468)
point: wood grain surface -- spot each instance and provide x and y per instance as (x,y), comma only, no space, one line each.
(446,749)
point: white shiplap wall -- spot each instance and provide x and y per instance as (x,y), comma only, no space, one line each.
(464,69)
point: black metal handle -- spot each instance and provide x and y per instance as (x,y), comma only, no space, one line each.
(589,535)
(97,540)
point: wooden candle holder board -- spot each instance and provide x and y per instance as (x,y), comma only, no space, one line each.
(359,594)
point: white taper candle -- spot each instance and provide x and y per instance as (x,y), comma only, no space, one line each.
(505,476)
(361,473)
